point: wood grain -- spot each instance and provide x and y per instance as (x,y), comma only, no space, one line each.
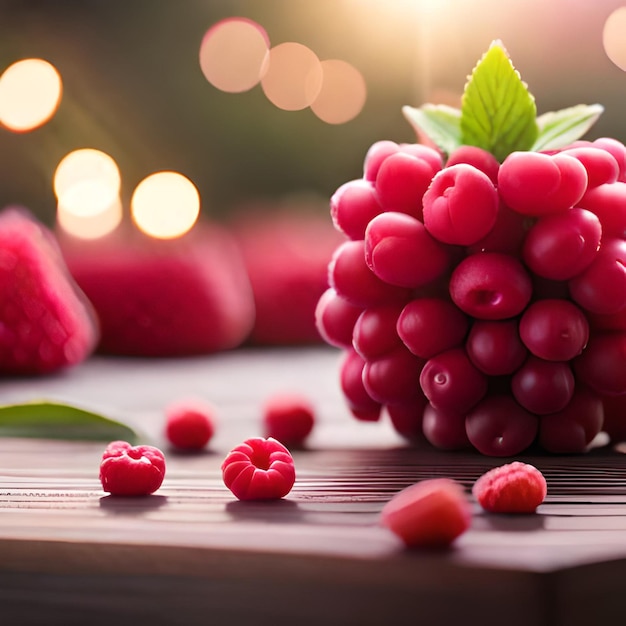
(192,554)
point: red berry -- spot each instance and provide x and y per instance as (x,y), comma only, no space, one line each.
(400,251)
(490,286)
(428,326)
(451,191)
(189,424)
(571,430)
(127,470)
(479,158)
(512,488)
(451,382)
(401,182)
(335,318)
(537,184)
(259,469)
(428,514)
(352,207)
(554,329)
(289,418)
(499,426)
(510,316)
(444,428)
(362,405)
(46,322)
(561,246)
(407,418)
(495,347)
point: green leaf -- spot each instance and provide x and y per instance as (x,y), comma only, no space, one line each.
(560,128)
(43,419)
(439,122)
(497,110)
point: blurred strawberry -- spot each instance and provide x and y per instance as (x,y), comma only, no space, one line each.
(184,296)
(286,255)
(46,323)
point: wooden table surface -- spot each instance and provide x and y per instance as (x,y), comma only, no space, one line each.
(193,554)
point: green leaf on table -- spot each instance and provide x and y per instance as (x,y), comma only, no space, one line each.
(439,122)
(498,113)
(560,128)
(43,419)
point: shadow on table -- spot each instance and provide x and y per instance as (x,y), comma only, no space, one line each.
(131,505)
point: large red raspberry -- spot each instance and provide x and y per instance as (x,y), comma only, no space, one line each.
(46,322)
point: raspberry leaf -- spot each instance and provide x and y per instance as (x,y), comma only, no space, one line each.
(439,122)
(43,419)
(560,128)
(497,110)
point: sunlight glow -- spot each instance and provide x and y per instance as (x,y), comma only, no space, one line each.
(165,205)
(233,54)
(30,92)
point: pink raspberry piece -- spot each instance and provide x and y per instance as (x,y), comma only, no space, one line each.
(127,470)
(259,469)
(190,424)
(429,514)
(289,418)
(512,488)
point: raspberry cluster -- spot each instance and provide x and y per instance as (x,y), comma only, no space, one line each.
(482,304)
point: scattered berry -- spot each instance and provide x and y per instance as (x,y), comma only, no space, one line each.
(512,488)
(189,424)
(259,469)
(127,470)
(46,322)
(288,418)
(429,514)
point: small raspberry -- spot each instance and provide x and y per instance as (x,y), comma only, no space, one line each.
(288,418)
(429,514)
(512,488)
(259,469)
(127,470)
(189,424)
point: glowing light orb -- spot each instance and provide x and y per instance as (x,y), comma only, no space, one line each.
(343,92)
(90,226)
(614,37)
(87,182)
(293,78)
(233,54)
(165,205)
(30,92)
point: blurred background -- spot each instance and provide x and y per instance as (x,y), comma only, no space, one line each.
(133,86)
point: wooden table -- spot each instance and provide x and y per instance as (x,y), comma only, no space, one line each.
(192,554)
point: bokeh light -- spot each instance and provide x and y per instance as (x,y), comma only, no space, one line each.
(233,54)
(614,37)
(87,181)
(90,226)
(342,94)
(293,78)
(87,186)
(165,205)
(30,92)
